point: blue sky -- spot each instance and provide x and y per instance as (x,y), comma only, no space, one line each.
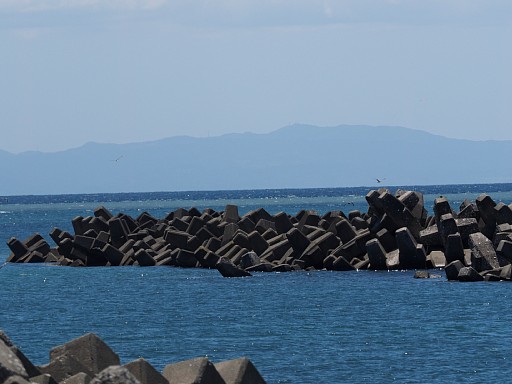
(132,70)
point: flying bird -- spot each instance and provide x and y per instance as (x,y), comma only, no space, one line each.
(380,180)
(116,160)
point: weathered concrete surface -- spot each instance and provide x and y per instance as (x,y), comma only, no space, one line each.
(195,371)
(239,371)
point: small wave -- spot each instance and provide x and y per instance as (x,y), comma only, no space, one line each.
(4,212)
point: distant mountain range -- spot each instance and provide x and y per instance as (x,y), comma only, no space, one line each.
(296,156)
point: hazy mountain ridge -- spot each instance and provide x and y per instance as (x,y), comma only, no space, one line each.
(297,156)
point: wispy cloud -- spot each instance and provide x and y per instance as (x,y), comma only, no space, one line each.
(48,5)
(275,13)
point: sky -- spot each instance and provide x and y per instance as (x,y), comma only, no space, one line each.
(119,71)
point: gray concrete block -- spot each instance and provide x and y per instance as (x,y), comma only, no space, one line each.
(341,264)
(393,260)
(414,202)
(313,256)
(421,274)
(386,239)
(113,255)
(30,368)
(430,236)
(483,255)
(79,378)
(452,270)
(454,249)
(282,268)
(282,222)
(505,249)
(83,242)
(363,264)
(43,379)
(194,371)
(372,198)
(469,274)
(186,259)
(193,243)
(297,240)
(58,235)
(376,254)
(17,248)
(213,244)
(179,224)
(239,371)
(115,375)
(506,273)
(345,231)
(92,352)
(257,243)
(144,259)
(411,256)
(313,232)
(179,213)
(235,258)
(442,207)
(246,225)
(486,209)
(64,366)
(437,259)
(15,380)
(231,214)
(353,214)
(96,224)
(468,210)
(118,231)
(204,235)
(249,259)
(309,218)
(261,267)
(329,262)
(503,213)
(359,223)
(210,260)
(466,226)
(144,372)
(145,217)
(10,364)
(229,232)
(103,212)
(269,234)
(447,226)
(241,239)
(176,239)
(263,225)
(276,251)
(195,225)
(327,241)
(228,269)
(258,214)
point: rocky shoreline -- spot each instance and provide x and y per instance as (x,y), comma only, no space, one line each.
(473,243)
(88,359)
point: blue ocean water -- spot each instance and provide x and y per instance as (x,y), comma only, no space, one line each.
(300,327)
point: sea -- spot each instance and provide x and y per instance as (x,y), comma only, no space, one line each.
(296,327)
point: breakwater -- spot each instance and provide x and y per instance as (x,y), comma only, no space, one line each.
(394,233)
(88,359)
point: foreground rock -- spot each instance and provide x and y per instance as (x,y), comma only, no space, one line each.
(396,232)
(88,359)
